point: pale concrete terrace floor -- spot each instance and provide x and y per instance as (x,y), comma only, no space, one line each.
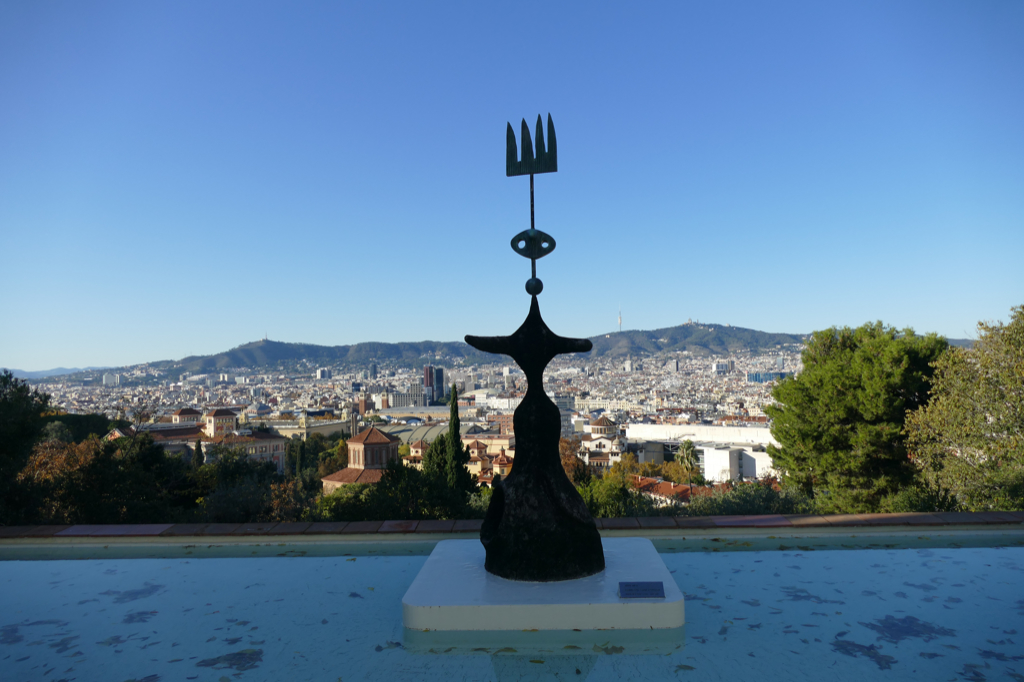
(930,601)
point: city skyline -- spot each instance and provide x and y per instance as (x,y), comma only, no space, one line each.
(180,179)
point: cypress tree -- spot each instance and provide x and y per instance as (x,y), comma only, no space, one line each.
(459,477)
(197,454)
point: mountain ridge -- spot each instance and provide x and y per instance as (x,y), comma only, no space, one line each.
(46,373)
(700,339)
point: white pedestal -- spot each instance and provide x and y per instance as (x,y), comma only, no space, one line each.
(454,592)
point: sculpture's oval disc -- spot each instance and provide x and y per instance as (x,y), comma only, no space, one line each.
(533,244)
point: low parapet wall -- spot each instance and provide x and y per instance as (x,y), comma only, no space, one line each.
(844,522)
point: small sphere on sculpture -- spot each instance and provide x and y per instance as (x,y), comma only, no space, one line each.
(534,286)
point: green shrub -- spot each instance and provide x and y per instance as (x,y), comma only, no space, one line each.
(917,499)
(748,499)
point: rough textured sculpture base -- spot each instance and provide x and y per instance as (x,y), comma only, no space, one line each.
(537,526)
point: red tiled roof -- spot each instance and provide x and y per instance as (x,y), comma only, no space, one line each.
(420,445)
(187,412)
(175,434)
(221,412)
(373,436)
(666,489)
(351,475)
(603,421)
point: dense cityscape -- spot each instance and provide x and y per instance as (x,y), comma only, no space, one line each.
(647,398)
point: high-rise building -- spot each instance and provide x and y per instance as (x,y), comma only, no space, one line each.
(439,385)
(432,387)
(428,381)
(564,402)
(373,370)
(323,373)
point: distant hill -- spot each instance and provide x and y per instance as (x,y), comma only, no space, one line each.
(699,339)
(272,353)
(55,372)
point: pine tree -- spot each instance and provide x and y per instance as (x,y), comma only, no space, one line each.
(839,423)
(434,458)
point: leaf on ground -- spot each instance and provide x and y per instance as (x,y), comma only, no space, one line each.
(608,649)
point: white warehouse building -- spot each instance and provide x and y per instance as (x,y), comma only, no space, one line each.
(721,462)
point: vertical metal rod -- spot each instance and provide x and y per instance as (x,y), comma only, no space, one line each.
(533,261)
(531,202)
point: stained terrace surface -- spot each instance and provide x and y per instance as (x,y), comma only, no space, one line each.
(942,614)
(905,604)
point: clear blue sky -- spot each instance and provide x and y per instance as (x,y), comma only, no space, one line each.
(183,177)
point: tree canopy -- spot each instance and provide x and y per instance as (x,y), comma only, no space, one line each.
(569,450)
(839,423)
(21,419)
(57,432)
(968,442)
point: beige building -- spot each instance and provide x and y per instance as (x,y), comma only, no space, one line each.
(258,445)
(220,422)
(416,452)
(368,455)
(479,462)
(495,444)
(501,464)
(186,415)
(304,427)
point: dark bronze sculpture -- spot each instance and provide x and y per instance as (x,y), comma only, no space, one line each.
(537,527)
